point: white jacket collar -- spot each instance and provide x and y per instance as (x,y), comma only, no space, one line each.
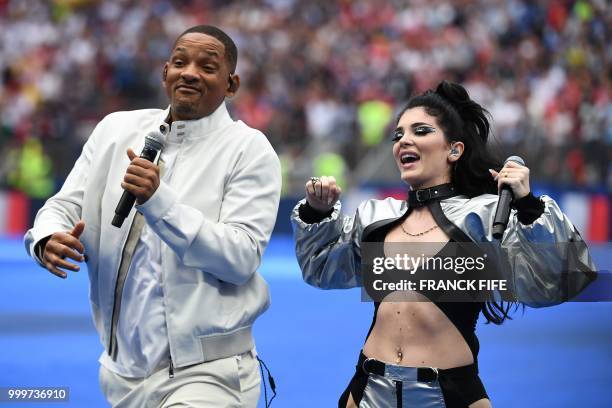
(199,128)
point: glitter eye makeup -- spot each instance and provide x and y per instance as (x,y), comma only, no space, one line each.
(397,134)
(422,130)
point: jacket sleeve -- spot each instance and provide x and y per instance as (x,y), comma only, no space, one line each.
(328,252)
(230,249)
(548,260)
(62,211)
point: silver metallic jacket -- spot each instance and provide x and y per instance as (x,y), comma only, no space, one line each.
(547,262)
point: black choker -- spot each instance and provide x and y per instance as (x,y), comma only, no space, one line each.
(419,198)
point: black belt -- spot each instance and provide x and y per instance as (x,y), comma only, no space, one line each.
(373,366)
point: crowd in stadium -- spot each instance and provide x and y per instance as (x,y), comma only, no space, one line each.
(318,76)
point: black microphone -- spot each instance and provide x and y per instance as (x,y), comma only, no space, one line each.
(502,212)
(154,141)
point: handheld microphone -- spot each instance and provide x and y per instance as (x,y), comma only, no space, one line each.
(154,141)
(502,212)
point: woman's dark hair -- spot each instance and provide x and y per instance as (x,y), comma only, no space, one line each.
(462,120)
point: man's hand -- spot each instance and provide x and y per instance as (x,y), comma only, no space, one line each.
(62,245)
(141,178)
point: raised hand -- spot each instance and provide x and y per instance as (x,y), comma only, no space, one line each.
(514,175)
(322,193)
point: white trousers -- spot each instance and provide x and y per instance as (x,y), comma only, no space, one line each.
(227,382)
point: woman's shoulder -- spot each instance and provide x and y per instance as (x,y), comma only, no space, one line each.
(378,209)
(394,207)
(477,201)
(462,204)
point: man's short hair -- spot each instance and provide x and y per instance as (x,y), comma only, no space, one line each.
(231,52)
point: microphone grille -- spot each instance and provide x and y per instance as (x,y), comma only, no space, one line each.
(516,159)
(154,140)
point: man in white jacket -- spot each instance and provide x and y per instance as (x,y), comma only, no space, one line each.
(174,291)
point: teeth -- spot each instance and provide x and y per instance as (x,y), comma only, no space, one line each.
(409,157)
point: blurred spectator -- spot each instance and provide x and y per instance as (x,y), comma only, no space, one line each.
(321,73)
(31,170)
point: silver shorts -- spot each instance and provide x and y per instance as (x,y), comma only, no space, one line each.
(399,387)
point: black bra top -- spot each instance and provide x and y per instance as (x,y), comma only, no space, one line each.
(463,315)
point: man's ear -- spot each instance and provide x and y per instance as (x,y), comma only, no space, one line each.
(233,84)
(165,72)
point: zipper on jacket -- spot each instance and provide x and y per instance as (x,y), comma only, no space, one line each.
(119,284)
(161,284)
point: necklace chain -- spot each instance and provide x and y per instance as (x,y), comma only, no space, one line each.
(418,234)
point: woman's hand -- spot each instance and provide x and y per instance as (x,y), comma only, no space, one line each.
(514,175)
(322,193)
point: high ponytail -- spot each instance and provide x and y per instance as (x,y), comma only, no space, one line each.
(462,120)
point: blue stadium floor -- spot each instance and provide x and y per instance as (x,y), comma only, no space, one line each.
(556,357)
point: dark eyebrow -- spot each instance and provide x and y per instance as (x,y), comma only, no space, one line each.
(417,124)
